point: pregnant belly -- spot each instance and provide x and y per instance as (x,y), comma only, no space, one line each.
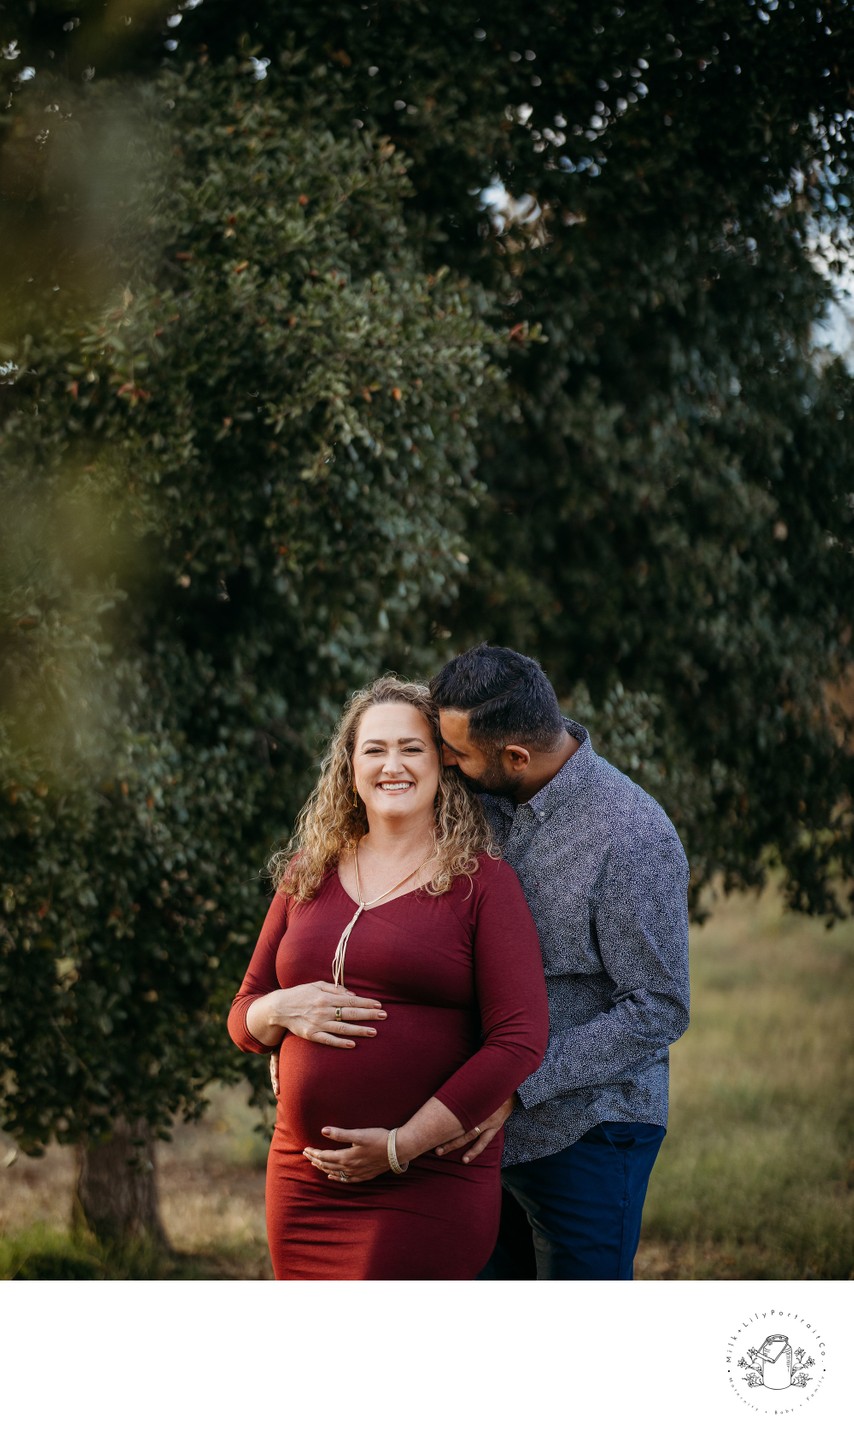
(380,1083)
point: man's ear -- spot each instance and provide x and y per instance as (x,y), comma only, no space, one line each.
(517,757)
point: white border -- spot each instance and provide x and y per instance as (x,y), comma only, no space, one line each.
(430,1359)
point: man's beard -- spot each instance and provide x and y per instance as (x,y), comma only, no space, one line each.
(493,780)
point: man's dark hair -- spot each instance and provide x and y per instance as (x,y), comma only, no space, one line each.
(506,695)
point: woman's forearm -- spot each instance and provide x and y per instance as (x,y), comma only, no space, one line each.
(433,1124)
(261,1021)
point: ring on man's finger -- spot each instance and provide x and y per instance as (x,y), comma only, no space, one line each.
(338,1015)
(476,1130)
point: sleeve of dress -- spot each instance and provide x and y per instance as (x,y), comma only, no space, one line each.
(511,993)
(260,977)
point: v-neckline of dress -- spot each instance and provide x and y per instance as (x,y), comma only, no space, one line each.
(374,908)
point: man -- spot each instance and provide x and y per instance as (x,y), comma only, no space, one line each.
(606,879)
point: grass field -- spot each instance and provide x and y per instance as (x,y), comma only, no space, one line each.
(755,1179)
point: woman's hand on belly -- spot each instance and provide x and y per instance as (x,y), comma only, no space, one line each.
(324,1013)
(365,1157)
(366,1153)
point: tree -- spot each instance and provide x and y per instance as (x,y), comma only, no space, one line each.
(667,522)
(221,497)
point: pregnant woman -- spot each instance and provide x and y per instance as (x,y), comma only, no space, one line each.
(398,975)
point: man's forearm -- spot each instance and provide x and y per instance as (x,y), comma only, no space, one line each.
(608,1049)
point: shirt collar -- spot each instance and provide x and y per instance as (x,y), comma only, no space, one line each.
(562,788)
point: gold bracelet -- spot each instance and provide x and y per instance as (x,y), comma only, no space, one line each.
(391,1150)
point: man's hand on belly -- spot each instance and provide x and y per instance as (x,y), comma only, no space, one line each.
(483,1134)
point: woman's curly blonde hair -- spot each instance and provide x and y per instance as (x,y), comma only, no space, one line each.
(333,819)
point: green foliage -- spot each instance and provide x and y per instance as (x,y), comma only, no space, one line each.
(667,522)
(223,495)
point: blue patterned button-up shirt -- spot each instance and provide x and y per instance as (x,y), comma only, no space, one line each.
(606,879)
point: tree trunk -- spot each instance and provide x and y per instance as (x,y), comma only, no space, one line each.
(116,1189)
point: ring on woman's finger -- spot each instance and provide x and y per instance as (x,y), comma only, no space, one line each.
(338,1015)
(343,1177)
(476,1130)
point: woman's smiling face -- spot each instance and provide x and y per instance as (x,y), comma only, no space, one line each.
(395,762)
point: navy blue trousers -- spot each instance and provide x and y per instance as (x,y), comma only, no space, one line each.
(577,1214)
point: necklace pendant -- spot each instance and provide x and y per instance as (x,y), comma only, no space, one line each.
(363,904)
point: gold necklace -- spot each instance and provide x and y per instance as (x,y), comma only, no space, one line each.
(341,949)
(369,903)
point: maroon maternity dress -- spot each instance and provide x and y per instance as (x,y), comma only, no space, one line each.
(461,980)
